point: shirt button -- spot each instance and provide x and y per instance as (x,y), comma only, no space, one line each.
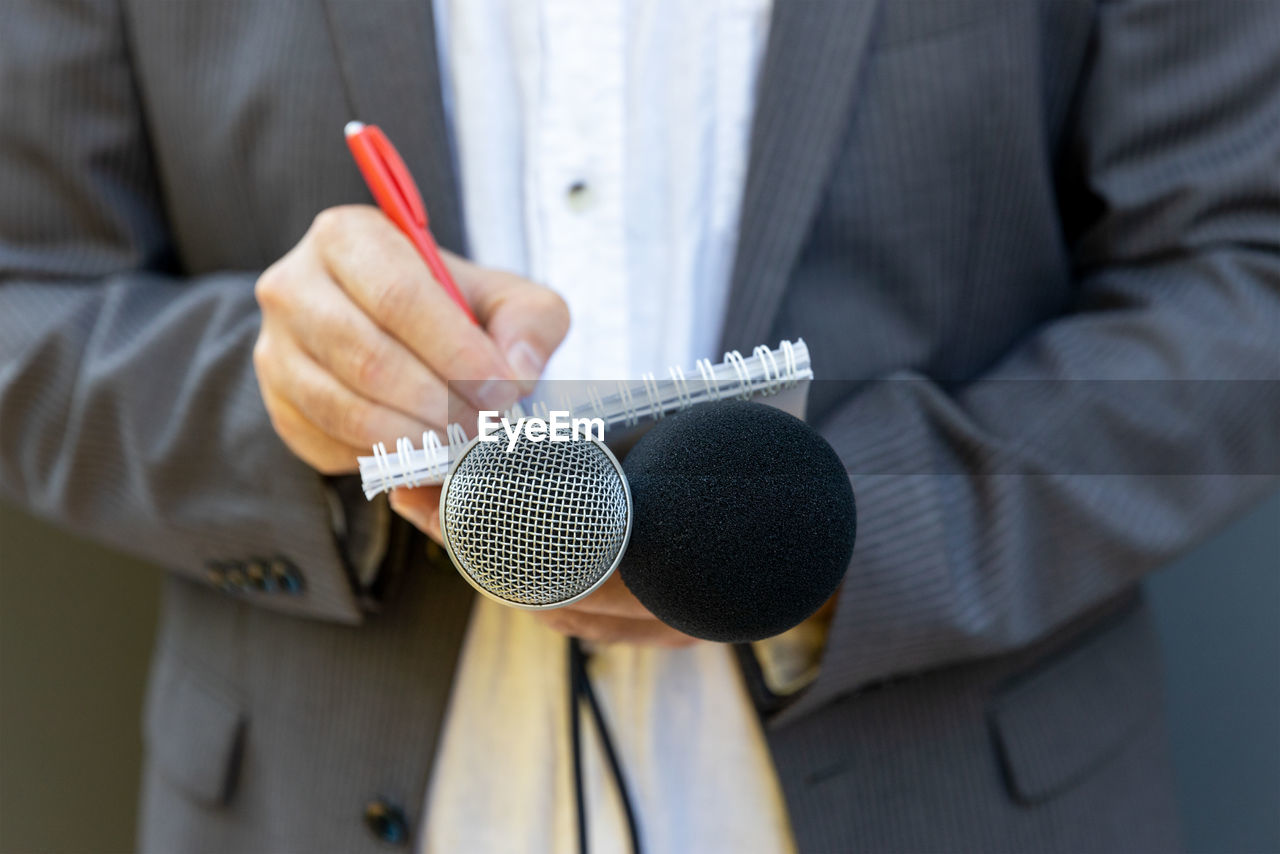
(579,196)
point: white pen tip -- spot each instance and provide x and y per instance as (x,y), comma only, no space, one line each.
(353,128)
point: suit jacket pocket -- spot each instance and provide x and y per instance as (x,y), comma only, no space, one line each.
(194,733)
(1055,725)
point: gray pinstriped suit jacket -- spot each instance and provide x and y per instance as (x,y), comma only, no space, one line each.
(944,196)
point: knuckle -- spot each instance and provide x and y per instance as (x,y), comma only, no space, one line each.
(268,290)
(368,363)
(395,298)
(322,227)
(328,223)
(335,223)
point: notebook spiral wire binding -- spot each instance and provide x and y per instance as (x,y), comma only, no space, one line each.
(764,372)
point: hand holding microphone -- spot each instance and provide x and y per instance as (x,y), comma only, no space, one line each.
(612,614)
(730,521)
(356,346)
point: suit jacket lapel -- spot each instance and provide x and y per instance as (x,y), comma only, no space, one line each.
(387,54)
(803,105)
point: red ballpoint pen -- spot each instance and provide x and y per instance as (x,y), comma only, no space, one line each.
(398,197)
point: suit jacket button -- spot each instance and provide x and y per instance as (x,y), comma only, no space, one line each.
(387,822)
(285,576)
(214,573)
(236,580)
(259,575)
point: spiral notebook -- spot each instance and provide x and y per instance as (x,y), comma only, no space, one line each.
(627,408)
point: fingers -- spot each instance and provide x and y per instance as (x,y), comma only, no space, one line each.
(609,615)
(383,274)
(605,629)
(613,615)
(289,373)
(420,506)
(359,344)
(309,443)
(344,341)
(525,320)
(613,599)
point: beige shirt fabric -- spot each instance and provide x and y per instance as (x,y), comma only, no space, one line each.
(687,737)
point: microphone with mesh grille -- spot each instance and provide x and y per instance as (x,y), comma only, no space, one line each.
(537,525)
(730,521)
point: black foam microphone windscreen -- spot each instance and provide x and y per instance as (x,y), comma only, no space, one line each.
(744,521)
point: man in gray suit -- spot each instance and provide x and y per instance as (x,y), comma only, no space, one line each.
(1033,245)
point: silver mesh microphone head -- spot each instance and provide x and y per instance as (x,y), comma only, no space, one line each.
(540,526)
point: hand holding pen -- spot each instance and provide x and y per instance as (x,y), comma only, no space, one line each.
(362,331)
(397,195)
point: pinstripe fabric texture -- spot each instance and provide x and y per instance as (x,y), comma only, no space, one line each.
(1012,470)
(980,214)
(333,717)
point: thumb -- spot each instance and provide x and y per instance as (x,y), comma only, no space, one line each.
(525,320)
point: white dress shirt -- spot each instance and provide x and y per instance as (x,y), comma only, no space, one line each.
(602,149)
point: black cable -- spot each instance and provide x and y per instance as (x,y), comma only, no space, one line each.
(606,740)
(580,688)
(575,738)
